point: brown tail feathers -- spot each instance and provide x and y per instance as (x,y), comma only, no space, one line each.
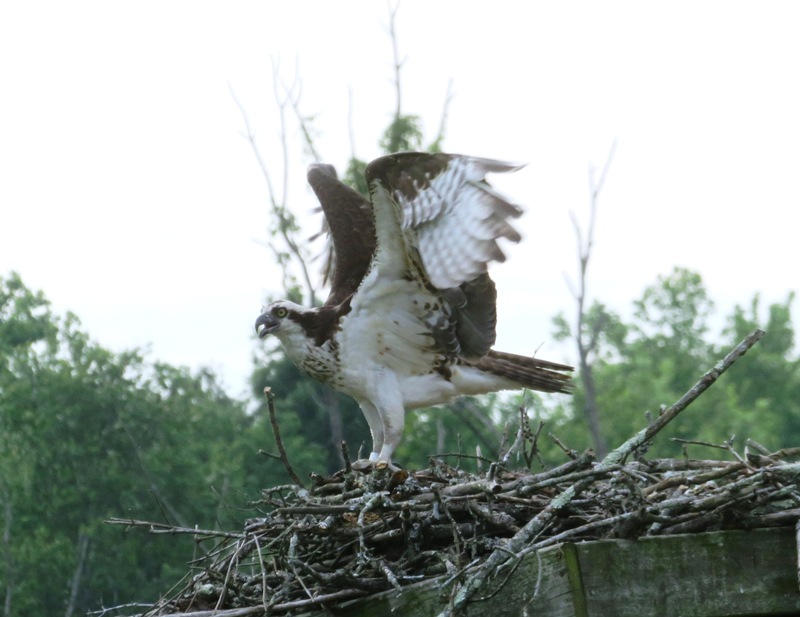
(528,372)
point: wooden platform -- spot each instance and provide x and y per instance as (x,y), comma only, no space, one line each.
(719,574)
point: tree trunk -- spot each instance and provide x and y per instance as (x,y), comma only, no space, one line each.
(331,403)
(7,550)
(590,408)
(83,550)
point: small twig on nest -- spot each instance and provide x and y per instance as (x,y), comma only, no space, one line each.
(171,529)
(696,442)
(101,612)
(273,420)
(240,612)
(727,445)
(518,439)
(348,465)
(535,447)
(573,454)
(476,457)
(797,542)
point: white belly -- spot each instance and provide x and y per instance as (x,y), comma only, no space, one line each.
(387,350)
(386,327)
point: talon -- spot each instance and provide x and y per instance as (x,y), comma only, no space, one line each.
(362,465)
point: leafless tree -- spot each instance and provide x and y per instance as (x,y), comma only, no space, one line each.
(587,331)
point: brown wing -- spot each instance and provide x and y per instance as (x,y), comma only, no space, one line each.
(349,217)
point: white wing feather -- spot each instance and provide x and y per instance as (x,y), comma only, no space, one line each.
(455,219)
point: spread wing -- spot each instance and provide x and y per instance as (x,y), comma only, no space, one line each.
(448,213)
(437,212)
(349,218)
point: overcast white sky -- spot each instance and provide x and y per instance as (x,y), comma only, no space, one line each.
(128,195)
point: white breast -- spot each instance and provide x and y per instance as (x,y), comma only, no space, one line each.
(386,325)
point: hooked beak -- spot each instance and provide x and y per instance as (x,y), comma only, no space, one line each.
(265,324)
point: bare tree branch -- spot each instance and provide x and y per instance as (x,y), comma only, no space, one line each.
(397,63)
(8,511)
(292,95)
(278,441)
(587,335)
(83,551)
(281,215)
(437,141)
(351,134)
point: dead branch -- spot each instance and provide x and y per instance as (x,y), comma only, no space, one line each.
(278,441)
(278,203)
(586,335)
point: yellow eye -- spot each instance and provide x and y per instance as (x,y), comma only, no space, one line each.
(281,312)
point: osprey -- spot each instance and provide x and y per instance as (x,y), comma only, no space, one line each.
(410,318)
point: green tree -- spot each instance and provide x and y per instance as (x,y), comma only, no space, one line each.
(86,435)
(665,347)
(766,383)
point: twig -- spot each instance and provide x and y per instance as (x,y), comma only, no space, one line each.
(277,434)
(278,203)
(344,594)
(348,465)
(437,141)
(476,457)
(797,545)
(170,529)
(101,612)
(233,612)
(573,454)
(398,63)
(695,442)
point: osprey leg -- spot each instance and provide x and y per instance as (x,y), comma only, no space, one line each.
(375,423)
(393,422)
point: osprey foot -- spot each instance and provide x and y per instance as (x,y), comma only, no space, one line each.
(367,465)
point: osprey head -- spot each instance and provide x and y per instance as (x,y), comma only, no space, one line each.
(275,316)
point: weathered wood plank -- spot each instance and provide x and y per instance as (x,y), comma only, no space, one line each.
(709,574)
(554,597)
(704,575)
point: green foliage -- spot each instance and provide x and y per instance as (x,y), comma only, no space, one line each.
(303,409)
(403,134)
(354,176)
(657,356)
(87,434)
(768,382)
(602,329)
(674,312)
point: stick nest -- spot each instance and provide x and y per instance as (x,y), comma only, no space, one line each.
(354,534)
(360,532)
